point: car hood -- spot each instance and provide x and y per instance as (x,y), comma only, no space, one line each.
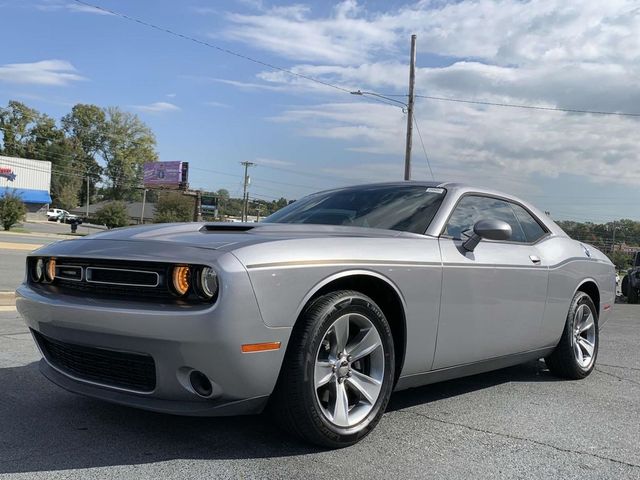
(230,235)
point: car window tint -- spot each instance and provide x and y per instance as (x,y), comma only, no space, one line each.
(406,208)
(473,208)
(532,229)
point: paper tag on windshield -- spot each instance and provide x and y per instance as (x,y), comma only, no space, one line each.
(435,190)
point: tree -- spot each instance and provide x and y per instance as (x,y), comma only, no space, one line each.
(28,133)
(15,124)
(621,260)
(173,207)
(113,215)
(128,145)
(86,128)
(12,209)
(223,194)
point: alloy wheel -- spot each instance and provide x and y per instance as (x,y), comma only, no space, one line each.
(584,336)
(349,370)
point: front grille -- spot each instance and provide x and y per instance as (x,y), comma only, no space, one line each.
(133,371)
(137,281)
(122,276)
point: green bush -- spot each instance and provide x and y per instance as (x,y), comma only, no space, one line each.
(113,215)
(173,207)
(12,209)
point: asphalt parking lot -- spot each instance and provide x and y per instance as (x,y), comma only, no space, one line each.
(515,423)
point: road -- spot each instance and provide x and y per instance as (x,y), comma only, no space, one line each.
(13,252)
(515,423)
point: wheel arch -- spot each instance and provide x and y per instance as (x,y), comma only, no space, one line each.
(381,290)
(590,287)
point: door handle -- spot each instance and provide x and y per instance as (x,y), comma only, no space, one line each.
(535,259)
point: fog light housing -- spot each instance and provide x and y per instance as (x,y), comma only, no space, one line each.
(207,283)
(181,279)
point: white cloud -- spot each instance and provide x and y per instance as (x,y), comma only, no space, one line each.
(56,6)
(216,104)
(157,107)
(500,149)
(45,72)
(579,55)
(273,162)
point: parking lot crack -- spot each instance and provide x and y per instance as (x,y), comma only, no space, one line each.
(617,366)
(617,376)
(522,439)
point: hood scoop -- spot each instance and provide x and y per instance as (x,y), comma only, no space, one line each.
(222,228)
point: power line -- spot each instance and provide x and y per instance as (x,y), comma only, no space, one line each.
(226,50)
(530,107)
(211,45)
(415,122)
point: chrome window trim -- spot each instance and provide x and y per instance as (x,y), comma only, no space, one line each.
(89,269)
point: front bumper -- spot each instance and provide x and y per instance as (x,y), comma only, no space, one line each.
(203,338)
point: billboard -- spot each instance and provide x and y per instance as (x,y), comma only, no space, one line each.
(209,203)
(166,174)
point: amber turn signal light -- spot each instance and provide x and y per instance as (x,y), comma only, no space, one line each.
(180,278)
(260,347)
(51,270)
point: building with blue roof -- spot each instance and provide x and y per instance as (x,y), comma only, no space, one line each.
(30,180)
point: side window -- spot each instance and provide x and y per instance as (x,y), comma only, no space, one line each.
(532,229)
(473,208)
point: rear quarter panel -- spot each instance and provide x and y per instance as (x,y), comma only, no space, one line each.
(569,268)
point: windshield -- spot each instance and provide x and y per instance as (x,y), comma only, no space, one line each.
(391,207)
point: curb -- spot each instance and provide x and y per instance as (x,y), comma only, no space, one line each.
(7,299)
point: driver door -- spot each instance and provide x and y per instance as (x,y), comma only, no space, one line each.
(493,298)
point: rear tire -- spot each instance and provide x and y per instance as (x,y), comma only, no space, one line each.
(624,287)
(338,372)
(575,355)
(633,295)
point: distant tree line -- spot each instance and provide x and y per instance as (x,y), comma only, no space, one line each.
(618,239)
(232,207)
(107,144)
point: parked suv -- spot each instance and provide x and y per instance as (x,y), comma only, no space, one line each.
(631,281)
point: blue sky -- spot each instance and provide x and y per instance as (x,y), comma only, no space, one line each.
(216,110)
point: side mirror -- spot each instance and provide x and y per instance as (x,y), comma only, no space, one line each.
(489,229)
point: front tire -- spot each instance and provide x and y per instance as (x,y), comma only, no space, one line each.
(575,355)
(338,372)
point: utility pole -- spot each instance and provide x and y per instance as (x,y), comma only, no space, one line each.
(88,187)
(412,81)
(144,201)
(613,240)
(245,197)
(197,213)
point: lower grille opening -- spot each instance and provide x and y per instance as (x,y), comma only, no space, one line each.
(133,371)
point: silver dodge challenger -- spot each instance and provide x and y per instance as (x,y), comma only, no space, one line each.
(320,311)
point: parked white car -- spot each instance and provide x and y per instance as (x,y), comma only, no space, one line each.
(59,215)
(55,214)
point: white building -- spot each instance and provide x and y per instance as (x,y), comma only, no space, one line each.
(30,180)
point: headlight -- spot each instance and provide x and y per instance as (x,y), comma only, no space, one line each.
(51,270)
(206,283)
(38,270)
(180,277)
